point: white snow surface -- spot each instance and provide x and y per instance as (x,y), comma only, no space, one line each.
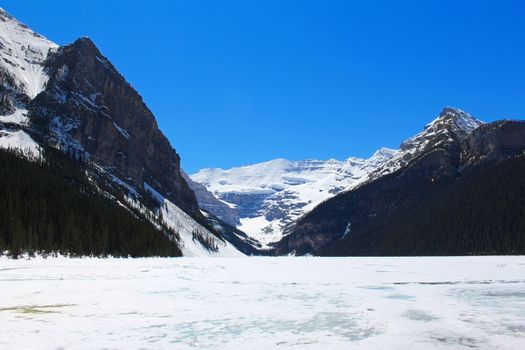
(22,54)
(185,225)
(19,140)
(271,195)
(19,117)
(263,303)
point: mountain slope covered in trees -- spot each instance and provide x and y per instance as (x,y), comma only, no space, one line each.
(480,212)
(50,206)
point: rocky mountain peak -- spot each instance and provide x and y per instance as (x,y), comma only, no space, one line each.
(22,56)
(455,120)
(382,154)
(89,109)
(452,124)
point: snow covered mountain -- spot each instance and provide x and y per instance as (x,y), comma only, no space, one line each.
(452,124)
(72,99)
(271,195)
(22,76)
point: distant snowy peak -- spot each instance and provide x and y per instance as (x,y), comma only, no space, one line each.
(379,157)
(271,176)
(459,120)
(452,124)
(23,53)
(22,76)
(271,195)
(382,154)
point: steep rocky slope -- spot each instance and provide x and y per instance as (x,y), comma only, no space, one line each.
(207,201)
(88,108)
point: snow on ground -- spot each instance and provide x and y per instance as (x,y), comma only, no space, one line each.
(21,141)
(261,229)
(177,219)
(19,116)
(263,303)
(23,53)
(185,226)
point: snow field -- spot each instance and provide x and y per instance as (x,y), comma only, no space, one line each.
(263,303)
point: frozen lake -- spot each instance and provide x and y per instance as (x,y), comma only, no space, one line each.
(263,303)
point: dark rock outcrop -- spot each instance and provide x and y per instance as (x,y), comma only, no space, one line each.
(88,108)
(494,141)
(211,204)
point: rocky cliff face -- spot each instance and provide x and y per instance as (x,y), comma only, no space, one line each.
(493,141)
(88,108)
(212,204)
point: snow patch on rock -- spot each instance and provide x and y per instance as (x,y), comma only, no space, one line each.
(20,141)
(22,55)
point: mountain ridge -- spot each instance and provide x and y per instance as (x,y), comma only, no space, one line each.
(269,196)
(73,100)
(77,102)
(414,198)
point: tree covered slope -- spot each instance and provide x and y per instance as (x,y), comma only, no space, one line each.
(50,206)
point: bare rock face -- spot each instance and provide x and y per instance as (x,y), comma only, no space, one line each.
(494,141)
(211,204)
(88,109)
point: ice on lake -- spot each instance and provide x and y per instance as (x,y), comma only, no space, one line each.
(263,303)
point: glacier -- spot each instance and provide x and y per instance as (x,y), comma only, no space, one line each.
(271,196)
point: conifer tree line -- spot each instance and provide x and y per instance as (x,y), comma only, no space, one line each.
(50,206)
(207,242)
(481,212)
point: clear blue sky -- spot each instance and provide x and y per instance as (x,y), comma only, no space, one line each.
(238,82)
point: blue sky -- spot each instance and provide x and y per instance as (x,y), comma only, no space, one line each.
(239,82)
